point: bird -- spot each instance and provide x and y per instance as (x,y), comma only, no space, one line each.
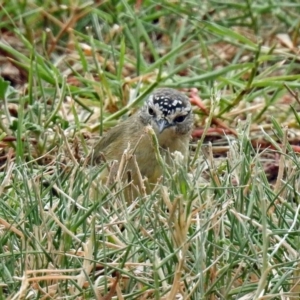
(170,115)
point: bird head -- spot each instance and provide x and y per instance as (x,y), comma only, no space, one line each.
(168,109)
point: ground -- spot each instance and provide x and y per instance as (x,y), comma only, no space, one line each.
(224,227)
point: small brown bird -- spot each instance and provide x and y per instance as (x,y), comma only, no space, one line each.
(170,115)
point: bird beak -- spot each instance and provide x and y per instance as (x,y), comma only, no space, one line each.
(162,124)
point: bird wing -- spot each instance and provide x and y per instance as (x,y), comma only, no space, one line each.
(114,142)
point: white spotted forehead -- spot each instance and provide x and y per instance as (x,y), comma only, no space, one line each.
(168,105)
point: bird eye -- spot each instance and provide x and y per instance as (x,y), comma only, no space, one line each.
(179,119)
(151,111)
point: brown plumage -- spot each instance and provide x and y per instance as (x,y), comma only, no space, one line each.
(169,113)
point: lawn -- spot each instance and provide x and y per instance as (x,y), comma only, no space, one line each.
(225,226)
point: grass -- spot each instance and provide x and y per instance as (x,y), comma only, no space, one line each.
(224,227)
